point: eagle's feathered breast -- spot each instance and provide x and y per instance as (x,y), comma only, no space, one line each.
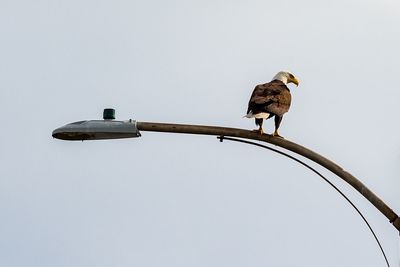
(273,97)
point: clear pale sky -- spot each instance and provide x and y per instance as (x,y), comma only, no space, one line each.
(179,200)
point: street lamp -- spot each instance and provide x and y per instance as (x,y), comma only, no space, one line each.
(108,128)
(111,129)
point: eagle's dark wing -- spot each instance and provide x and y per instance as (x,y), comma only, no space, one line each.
(273,97)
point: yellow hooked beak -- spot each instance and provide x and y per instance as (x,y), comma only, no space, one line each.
(295,81)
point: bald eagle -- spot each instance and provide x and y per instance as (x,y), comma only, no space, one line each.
(271,99)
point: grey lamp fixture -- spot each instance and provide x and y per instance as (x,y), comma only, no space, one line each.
(108,128)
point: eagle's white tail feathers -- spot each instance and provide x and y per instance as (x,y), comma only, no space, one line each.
(262,115)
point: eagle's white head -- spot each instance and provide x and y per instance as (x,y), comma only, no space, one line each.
(286,77)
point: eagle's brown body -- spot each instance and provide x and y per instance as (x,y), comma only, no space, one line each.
(273,98)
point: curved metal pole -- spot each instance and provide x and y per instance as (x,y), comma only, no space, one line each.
(303,151)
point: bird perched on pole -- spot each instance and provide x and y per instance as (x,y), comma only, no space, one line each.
(271,100)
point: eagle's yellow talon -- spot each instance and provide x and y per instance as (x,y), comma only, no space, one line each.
(259,130)
(276,134)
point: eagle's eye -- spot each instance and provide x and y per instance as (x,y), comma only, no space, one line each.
(291,76)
